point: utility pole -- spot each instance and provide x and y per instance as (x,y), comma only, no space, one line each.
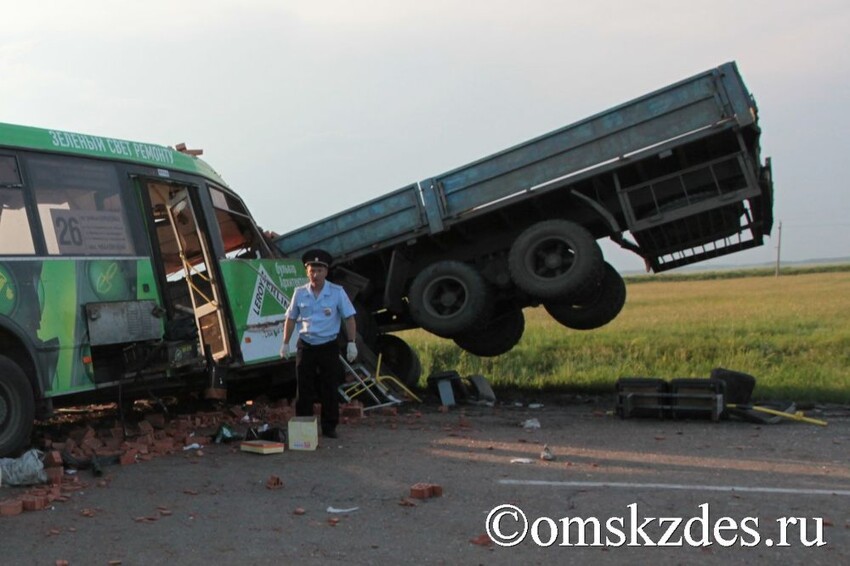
(778,246)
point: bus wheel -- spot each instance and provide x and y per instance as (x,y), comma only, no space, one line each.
(555,258)
(449,297)
(597,309)
(17,408)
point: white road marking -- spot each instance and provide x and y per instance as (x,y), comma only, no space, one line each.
(676,486)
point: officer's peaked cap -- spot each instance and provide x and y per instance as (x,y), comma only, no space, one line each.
(316,257)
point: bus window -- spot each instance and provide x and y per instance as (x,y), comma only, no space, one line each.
(241,237)
(9,174)
(15,234)
(80,207)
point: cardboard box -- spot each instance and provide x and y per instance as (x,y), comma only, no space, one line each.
(261,446)
(303,433)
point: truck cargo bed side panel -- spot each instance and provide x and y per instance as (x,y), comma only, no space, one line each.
(666,114)
(395,216)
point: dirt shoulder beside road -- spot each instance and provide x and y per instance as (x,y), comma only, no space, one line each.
(216,507)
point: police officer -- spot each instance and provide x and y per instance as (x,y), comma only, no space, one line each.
(319,307)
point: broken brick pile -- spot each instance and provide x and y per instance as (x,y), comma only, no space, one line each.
(58,487)
(155,434)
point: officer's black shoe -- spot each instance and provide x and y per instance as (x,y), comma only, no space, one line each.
(330,433)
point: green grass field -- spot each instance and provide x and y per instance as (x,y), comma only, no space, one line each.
(792,333)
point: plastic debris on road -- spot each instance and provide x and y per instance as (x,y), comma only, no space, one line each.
(28,469)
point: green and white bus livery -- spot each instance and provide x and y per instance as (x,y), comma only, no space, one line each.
(126,267)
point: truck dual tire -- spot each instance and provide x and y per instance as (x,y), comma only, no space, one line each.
(555,258)
(17,408)
(498,336)
(597,308)
(448,298)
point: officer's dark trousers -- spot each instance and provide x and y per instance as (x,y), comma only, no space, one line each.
(319,374)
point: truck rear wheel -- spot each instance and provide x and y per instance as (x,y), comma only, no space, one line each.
(555,258)
(597,309)
(448,298)
(17,407)
(399,358)
(497,336)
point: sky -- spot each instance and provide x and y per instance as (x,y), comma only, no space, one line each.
(309,107)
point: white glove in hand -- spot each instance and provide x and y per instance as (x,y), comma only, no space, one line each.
(351,352)
(284,351)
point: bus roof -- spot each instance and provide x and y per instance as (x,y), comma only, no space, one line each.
(59,141)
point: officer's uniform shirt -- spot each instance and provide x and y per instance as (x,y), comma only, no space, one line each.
(320,317)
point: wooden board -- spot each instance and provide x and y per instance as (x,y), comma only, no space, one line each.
(261,446)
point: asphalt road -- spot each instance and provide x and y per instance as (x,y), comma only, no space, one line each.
(701,491)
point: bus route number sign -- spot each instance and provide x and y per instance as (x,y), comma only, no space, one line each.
(90,232)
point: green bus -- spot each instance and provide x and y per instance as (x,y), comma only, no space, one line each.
(126,267)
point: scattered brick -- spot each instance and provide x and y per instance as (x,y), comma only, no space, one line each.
(156,420)
(423,490)
(55,475)
(482,540)
(274,482)
(111,444)
(129,457)
(34,502)
(164,446)
(420,491)
(145,428)
(52,459)
(9,507)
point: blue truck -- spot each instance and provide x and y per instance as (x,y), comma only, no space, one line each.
(675,176)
